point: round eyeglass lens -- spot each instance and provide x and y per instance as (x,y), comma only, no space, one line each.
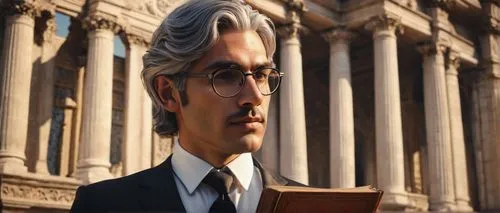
(228,82)
(267,80)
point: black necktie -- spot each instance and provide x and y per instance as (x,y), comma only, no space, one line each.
(221,181)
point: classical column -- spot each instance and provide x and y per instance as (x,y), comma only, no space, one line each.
(147,128)
(488,97)
(442,193)
(457,134)
(342,155)
(147,118)
(487,111)
(93,164)
(293,140)
(15,82)
(162,148)
(270,147)
(388,126)
(134,101)
(45,102)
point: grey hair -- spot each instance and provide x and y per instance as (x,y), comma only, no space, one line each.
(186,35)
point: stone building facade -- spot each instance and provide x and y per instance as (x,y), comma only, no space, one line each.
(400,94)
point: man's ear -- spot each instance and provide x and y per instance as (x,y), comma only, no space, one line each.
(164,87)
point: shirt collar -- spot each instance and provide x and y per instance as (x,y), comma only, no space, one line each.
(242,168)
(191,170)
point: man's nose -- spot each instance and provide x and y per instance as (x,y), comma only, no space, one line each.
(250,93)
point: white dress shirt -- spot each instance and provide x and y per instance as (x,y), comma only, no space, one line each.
(198,197)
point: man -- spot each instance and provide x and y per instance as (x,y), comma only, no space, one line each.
(210,74)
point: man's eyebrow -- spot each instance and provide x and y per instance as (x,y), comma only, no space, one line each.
(234,65)
(264,64)
(222,64)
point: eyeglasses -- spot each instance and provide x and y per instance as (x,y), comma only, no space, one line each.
(228,82)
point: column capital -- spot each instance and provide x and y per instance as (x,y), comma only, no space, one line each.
(431,48)
(296,5)
(293,16)
(131,39)
(289,31)
(28,8)
(452,62)
(338,34)
(293,28)
(92,23)
(385,22)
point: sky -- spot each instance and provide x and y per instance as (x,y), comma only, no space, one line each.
(63,22)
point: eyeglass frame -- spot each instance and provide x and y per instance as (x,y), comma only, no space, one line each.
(211,76)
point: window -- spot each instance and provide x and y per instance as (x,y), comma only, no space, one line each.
(119,47)
(118,114)
(63,22)
(63,119)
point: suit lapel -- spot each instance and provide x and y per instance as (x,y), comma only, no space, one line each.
(269,178)
(159,191)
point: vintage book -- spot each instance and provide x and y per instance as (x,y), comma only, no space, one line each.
(294,199)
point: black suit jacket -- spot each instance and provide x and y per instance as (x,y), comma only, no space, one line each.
(151,190)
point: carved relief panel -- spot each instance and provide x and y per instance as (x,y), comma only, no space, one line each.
(154,7)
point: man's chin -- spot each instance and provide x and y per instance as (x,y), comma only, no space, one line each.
(250,143)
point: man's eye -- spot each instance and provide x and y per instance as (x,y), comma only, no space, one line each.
(228,75)
(261,75)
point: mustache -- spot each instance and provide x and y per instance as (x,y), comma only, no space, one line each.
(252,112)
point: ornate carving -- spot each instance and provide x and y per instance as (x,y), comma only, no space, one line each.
(338,34)
(289,31)
(452,61)
(293,16)
(97,22)
(21,7)
(292,29)
(33,193)
(295,5)
(154,7)
(132,39)
(385,22)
